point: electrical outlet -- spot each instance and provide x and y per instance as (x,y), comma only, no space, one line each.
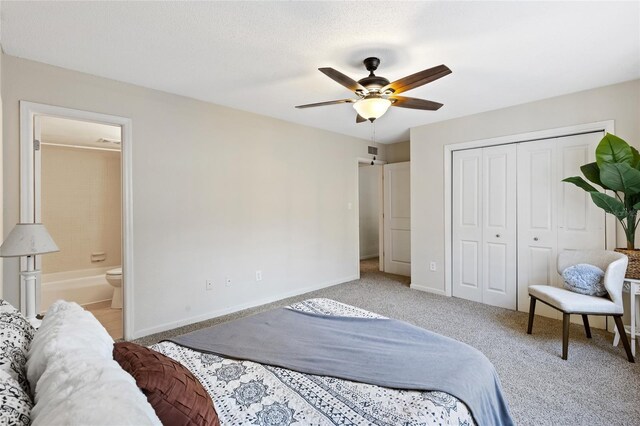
(209,285)
(432,266)
(258,275)
(227,281)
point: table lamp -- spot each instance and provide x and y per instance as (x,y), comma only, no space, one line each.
(28,239)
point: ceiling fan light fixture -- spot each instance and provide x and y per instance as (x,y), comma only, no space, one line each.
(372,108)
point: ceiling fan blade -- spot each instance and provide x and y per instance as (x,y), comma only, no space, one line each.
(414,103)
(418,79)
(341,101)
(360,119)
(346,81)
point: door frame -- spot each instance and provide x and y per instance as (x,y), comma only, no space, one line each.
(368,161)
(30,172)
(610,224)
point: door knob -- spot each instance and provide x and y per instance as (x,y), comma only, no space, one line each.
(497,235)
(535,238)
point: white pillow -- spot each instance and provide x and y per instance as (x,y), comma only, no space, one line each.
(67,329)
(90,391)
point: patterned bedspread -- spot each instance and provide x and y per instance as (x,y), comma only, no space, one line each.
(248,393)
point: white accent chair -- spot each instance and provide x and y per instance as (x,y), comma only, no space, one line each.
(614,266)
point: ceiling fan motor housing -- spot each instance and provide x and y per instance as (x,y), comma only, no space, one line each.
(371,64)
(372,82)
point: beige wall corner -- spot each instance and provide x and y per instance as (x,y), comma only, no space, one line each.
(619,102)
(398,152)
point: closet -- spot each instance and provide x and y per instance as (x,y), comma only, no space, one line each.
(512,214)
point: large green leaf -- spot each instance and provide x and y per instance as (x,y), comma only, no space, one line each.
(578,181)
(609,204)
(621,177)
(612,149)
(636,158)
(592,172)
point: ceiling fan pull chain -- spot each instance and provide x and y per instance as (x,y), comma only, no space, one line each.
(373,139)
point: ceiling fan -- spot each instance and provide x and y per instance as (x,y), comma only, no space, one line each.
(375,93)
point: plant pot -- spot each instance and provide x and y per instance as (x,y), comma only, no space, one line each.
(633,270)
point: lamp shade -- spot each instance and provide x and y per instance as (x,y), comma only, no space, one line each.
(27,239)
(372,108)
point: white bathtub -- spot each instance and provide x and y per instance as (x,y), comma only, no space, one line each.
(82,286)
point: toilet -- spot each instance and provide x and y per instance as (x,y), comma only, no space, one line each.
(114,277)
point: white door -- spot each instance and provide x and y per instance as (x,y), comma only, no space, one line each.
(397,219)
(554,216)
(467,224)
(537,227)
(484,225)
(581,224)
(499,281)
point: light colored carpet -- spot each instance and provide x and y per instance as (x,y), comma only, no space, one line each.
(595,386)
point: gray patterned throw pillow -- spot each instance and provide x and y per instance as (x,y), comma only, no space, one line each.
(15,403)
(16,335)
(584,279)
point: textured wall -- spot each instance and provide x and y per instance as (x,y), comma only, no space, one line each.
(620,102)
(81,207)
(217,193)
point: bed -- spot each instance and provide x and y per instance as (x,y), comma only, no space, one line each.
(250,393)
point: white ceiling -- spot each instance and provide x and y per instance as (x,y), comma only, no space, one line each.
(263,56)
(62,131)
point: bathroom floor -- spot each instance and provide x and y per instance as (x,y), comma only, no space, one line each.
(111,319)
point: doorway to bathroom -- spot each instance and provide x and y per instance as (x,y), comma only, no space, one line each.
(75,179)
(80,205)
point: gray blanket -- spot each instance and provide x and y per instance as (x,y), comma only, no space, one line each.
(382,352)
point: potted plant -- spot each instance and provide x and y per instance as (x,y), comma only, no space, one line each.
(616,169)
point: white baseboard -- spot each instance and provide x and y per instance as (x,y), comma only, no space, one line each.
(427,289)
(220,312)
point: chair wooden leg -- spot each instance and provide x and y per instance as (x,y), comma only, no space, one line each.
(565,335)
(532,310)
(587,329)
(623,337)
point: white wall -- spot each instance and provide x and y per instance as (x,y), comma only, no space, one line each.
(2,235)
(369,196)
(620,102)
(217,192)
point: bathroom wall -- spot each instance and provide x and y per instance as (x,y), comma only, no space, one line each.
(81,207)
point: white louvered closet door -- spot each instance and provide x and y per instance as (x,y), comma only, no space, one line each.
(484,225)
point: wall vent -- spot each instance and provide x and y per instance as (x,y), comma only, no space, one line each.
(373,150)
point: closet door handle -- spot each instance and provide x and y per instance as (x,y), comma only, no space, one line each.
(535,238)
